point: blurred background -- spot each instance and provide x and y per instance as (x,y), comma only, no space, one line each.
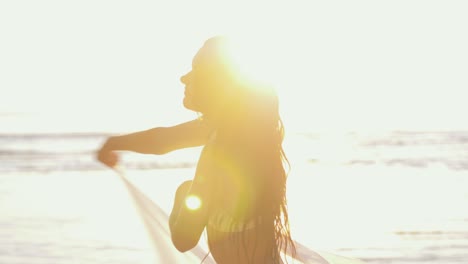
(371,95)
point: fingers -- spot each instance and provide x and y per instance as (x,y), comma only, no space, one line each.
(108,158)
(106,155)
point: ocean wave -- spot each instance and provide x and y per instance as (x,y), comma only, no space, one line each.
(69,135)
(76,151)
(47,165)
(39,153)
(417,139)
(452,164)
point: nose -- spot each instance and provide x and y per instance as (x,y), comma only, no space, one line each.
(185,78)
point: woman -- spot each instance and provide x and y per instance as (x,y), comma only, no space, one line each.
(240,180)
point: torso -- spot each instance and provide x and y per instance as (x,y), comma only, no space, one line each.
(230,240)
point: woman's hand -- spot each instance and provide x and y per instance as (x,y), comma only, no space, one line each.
(107,156)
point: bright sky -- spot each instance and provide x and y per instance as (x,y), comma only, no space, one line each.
(337,64)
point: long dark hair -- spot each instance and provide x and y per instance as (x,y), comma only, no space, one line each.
(249,126)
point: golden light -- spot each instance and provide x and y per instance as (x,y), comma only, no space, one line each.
(251,61)
(193,202)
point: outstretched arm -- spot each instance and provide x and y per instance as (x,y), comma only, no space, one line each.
(159,140)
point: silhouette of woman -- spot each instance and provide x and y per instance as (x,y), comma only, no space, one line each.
(238,193)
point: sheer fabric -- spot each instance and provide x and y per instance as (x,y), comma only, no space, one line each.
(156,222)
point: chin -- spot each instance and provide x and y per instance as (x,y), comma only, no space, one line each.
(188,104)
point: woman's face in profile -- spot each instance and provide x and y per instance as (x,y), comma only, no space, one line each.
(202,83)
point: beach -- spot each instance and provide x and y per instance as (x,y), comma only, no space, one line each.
(387,197)
(371,94)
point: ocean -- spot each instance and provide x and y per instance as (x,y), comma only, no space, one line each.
(380,196)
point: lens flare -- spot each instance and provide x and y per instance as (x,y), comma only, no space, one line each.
(192,202)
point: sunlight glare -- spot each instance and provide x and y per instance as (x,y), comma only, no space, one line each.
(251,59)
(193,202)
